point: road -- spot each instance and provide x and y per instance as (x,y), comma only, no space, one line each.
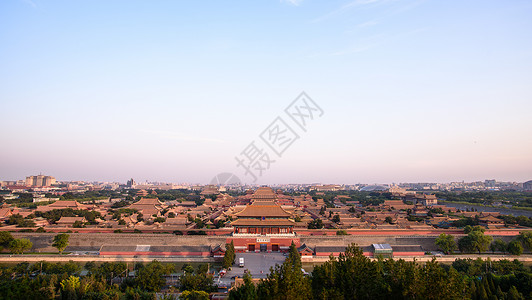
(258,264)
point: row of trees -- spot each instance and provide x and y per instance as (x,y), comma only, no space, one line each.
(19,246)
(109,280)
(354,276)
(350,276)
(56,214)
(477,241)
(62,281)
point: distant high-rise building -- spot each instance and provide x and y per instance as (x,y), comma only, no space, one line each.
(490,182)
(131,183)
(527,186)
(40,180)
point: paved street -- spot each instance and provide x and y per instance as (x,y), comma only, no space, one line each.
(258,265)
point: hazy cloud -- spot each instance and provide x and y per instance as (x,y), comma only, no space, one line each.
(367,24)
(292,2)
(30,3)
(346,7)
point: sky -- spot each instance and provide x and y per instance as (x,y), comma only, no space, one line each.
(177,91)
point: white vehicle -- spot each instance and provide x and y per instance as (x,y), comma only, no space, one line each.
(241,262)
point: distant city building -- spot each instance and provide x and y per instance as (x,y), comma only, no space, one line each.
(428,200)
(527,186)
(131,183)
(397,190)
(210,190)
(13,183)
(326,188)
(40,180)
(374,188)
(490,182)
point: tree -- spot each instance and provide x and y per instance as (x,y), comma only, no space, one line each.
(515,247)
(198,280)
(474,241)
(229,256)
(315,224)
(151,276)
(481,292)
(61,242)
(20,221)
(187,268)
(109,270)
(247,291)
(26,223)
(473,290)
(388,220)
(526,238)
(513,294)
(350,276)
(479,241)
(499,245)
(5,238)
(159,220)
(464,245)
(70,287)
(90,266)
(468,229)
(199,223)
(446,243)
(286,281)
(18,246)
(194,295)
(322,210)
(14,219)
(336,218)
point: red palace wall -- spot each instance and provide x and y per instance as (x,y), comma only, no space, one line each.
(282,243)
(370,254)
(408,253)
(336,254)
(133,253)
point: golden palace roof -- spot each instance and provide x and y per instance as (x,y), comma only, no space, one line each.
(266,222)
(258,211)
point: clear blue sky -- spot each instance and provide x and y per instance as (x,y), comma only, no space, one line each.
(431,91)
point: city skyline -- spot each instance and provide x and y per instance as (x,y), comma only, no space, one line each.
(47,181)
(411,91)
